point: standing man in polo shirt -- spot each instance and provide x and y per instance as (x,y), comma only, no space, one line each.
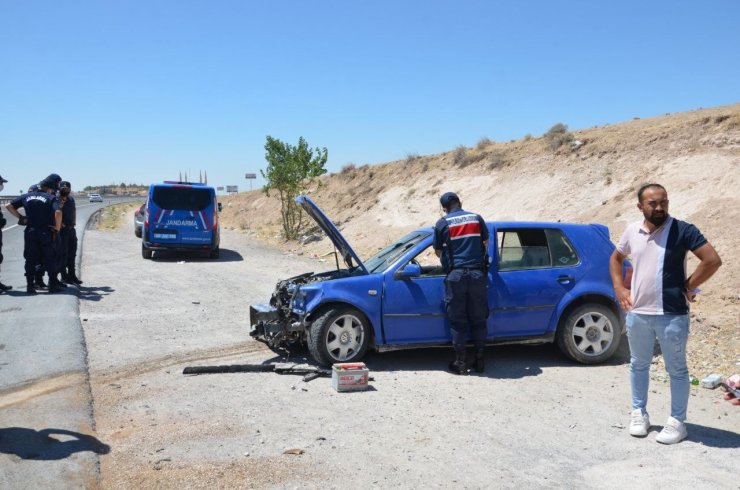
(657,304)
(461,241)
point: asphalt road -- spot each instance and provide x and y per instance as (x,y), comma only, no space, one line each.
(43,377)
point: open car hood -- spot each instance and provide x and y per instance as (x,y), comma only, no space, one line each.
(350,257)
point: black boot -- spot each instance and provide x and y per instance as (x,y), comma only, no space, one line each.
(4,288)
(73,278)
(39,280)
(66,278)
(458,366)
(55,286)
(30,288)
(480,359)
(56,281)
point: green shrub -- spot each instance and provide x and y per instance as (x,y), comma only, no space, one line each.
(483,143)
(558,135)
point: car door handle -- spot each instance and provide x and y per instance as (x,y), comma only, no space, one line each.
(565,279)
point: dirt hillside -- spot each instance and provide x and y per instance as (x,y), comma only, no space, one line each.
(594,178)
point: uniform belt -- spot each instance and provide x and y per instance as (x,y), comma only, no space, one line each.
(469,268)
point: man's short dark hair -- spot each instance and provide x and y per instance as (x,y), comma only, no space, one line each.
(648,186)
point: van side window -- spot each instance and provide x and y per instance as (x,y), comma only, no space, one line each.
(562,251)
(522,249)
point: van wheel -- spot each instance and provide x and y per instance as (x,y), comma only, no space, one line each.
(146,253)
(589,334)
(339,335)
(137,232)
(214,254)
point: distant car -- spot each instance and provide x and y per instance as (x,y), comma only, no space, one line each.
(547,282)
(96,198)
(139,220)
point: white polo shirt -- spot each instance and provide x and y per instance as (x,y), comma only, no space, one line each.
(659,265)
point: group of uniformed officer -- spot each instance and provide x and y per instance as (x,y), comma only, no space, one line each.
(50,238)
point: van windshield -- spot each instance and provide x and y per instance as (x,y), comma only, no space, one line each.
(182,198)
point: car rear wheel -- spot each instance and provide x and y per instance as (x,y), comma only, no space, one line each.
(137,232)
(214,253)
(589,334)
(339,335)
(146,253)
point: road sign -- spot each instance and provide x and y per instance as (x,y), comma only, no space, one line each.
(232,189)
(220,188)
(250,176)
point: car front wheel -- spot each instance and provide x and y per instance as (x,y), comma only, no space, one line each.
(589,334)
(146,253)
(339,335)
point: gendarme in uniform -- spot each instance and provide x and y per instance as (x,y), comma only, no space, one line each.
(41,208)
(460,240)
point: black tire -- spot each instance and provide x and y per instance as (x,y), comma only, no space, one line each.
(146,253)
(137,232)
(214,254)
(339,334)
(589,334)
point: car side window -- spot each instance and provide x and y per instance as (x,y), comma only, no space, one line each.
(563,252)
(524,248)
(429,263)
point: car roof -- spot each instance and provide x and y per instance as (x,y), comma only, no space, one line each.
(526,224)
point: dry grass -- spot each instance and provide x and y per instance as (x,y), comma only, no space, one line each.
(112,217)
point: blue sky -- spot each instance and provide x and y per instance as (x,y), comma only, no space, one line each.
(139,90)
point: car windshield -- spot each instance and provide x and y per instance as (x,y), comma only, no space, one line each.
(381,260)
(182,198)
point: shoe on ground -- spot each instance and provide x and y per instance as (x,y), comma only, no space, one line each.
(673,432)
(4,288)
(40,284)
(66,278)
(30,289)
(74,279)
(56,288)
(639,423)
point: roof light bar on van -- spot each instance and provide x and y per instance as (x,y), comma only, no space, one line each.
(183,183)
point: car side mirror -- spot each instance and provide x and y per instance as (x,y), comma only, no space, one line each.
(220,207)
(408,271)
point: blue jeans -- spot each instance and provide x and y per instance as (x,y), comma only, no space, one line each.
(672,332)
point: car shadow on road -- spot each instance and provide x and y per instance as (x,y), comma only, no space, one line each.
(502,361)
(93,293)
(709,436)
(47,444)
(225,255)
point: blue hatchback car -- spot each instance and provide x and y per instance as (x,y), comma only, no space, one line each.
(547,282)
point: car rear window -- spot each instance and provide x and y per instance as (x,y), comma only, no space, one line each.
(534,248)
(181,198)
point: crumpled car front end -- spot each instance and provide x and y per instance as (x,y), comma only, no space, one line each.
(282,324)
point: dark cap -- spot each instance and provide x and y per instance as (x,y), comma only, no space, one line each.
(34,188)
(51,181)
(65,183)
(447,198)
(2,180)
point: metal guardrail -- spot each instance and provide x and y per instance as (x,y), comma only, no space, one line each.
(6,199)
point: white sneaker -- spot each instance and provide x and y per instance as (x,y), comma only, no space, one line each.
(639,423)
(673,432)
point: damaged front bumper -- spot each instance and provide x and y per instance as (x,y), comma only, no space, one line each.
(268,326)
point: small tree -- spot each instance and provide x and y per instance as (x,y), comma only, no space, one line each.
(290,169)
